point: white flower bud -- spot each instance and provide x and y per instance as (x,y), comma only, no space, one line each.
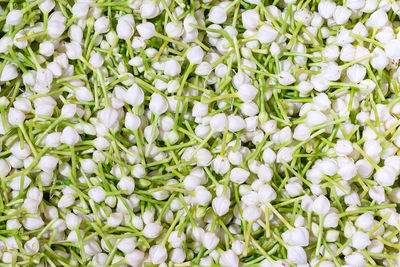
(343,148)
(55,69)
(14,17)
(5,43)
(285,154)
(251,213)
(15,183)
(137,222)
(69,136)
(127,245)
(68,111)
(221,205)
(101,143)
(229,258)
(296,255)
(394,196)
(364,168)
(15,116)
(355,259)
(385,35)
(235,158)
(72,221)
(75,33)
(134,95)
(73,50)
(210,240)
(13,224)
(46,6)
(341,15)
(195,55)
(158,105)
(236,123)
(321,205)
(149,9)
(218,122)
(97,194)
(355,4)
(56,24)
(360,240)
(266,193)
(18,152)
(377,193)
(249,198)
(217,15)
(315,118)
(80,9)
(297,237)
(96,60)
(301,132)
(100,259)
(331,220)
(391,49)
(175,239)
(266,34)
(66,201)
(378,19)
(285,78)
(5,168)
(109,117)
(203,69)
(220,165)
(356,73)
(269,156)
(152,230)
(88,166)
(199,109)
(91,247)
(202,195)
(32,223)
(365,222)
(102,25)
(303,15)
(83,94)
(239,175)
(158,254)
(250,19)
(221,70)
(332,235)
(125,27)
(376,246)
(135,258)
(20,44)
(385,176)
(48,163)
(331,53)
(9,72)
(177,255)
(46,48)
(32,246)
(172,68)
(265,173)
(174,30)
(247,92)
(126,184)
(294,189)
(146,30)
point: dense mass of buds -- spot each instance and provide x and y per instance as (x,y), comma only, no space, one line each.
(199,133)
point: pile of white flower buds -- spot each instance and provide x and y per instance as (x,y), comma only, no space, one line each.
(199,133)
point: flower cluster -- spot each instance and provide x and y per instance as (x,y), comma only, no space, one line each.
(200,133)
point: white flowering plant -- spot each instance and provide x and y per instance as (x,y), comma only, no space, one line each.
(199,133)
